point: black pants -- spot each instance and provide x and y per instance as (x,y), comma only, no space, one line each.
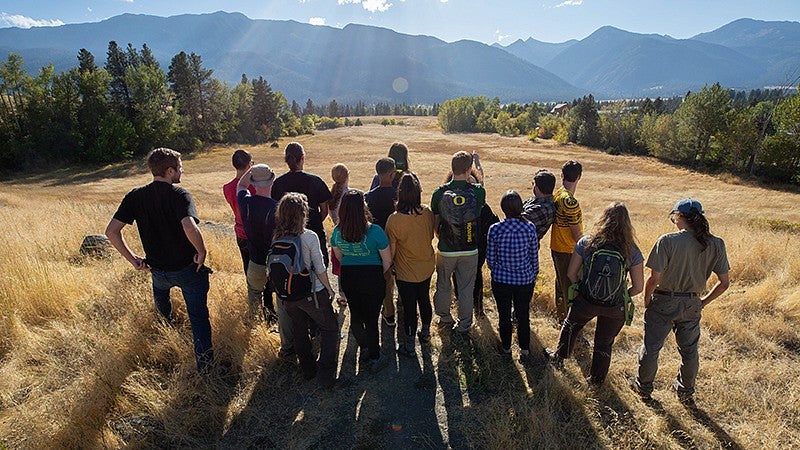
(610,320)
(320,312)
(519,296)
(245,252)
(364,287)
(415,295)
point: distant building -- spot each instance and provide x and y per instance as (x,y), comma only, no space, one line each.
(560,109)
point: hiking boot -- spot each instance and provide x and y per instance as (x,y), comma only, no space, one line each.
(552,357)
(377,364)
(459,331)
(389,321)
(644,395)
(445,323)
(686,399)
(424,336)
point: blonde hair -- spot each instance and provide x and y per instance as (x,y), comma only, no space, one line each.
(340,175)
(291,215)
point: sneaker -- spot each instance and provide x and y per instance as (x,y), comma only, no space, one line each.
(424,338)
(460,331)
(287,354)
(685,399)
(634,385)
(554,360)
(377,364)
(406,350)
(503,351)
(389,321)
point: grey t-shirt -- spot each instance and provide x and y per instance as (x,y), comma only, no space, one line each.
(683,266)
(634,259)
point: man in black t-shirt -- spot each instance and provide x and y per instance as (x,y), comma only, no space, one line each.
(380,201)
(309,184)
(166,217)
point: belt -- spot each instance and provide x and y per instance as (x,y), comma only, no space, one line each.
(674,294)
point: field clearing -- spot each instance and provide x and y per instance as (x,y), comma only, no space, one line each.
(84,363)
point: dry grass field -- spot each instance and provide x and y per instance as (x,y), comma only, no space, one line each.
(84,363)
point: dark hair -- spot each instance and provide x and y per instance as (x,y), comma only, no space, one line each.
(399,153)
(461,162)
(511,204)
(353,216)
(291,215)
(614,227)
(699,225)
(545,181)
(571,170)
(409,195)
(293,154)
(473,172)
(384,166)
(161,159)
(241,159)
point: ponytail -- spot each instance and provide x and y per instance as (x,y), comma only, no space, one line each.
(699,224)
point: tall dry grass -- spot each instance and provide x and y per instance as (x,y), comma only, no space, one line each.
(85,363)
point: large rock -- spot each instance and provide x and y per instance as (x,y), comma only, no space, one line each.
(96,246)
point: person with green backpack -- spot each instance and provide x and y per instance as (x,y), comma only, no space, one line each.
(599,270)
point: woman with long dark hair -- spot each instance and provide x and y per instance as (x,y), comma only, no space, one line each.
(599,268)
(399,153)
(363,249)
(410,232)
(680,265)
(290,221)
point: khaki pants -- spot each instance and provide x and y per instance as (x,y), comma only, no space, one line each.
(665,314)
(464,268)
(561,291)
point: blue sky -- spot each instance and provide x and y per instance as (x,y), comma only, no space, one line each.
(487,21)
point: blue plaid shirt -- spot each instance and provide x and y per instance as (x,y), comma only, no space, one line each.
(512,252)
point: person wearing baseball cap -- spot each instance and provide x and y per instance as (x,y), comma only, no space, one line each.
(675,294)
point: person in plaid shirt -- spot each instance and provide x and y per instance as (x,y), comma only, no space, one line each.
(540,209)
(512,254)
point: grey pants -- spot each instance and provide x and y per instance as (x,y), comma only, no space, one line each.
(665,314)
(464,268)
(257,289)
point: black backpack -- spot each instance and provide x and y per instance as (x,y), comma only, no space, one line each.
(287,271)
(604,278)
(460,224)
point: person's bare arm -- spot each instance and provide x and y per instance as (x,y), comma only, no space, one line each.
(650,286)
(577,234)
(114,234)
(323,210)
(574,267)
(637,280)
(194,235)
(723,282)
(386,258)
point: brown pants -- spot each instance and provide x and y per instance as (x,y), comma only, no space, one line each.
(561,292)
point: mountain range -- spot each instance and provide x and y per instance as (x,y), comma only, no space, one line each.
(371,64)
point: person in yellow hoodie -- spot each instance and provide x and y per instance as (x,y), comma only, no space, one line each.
(567,230)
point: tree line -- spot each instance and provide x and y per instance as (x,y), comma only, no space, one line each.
(755,134)
(93,114)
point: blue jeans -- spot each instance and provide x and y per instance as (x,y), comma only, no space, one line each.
(194,286)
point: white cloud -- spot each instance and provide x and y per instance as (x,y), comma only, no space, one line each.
(500,37)
(570,3)
(317,21)
(369,5)
(89,8)
(16,20)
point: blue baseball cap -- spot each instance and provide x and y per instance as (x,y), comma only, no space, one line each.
(688,206)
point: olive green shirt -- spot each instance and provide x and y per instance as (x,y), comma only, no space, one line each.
(682,264)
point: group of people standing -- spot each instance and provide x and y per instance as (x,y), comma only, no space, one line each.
(384,238)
